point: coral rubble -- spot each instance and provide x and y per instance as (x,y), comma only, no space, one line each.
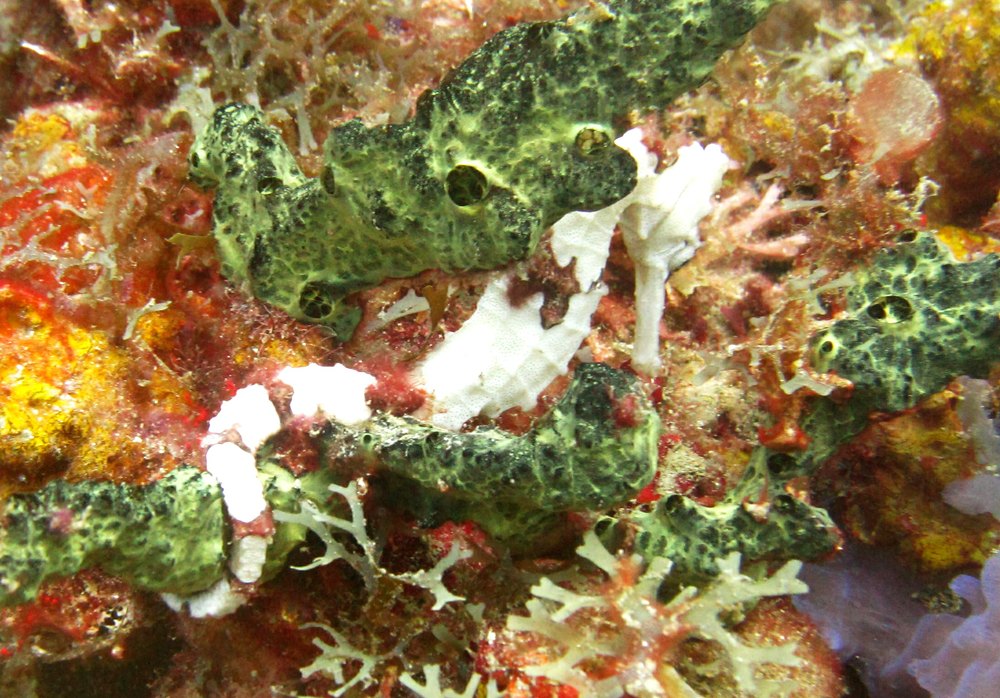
(498,348)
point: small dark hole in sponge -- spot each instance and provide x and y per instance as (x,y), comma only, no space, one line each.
(315,300)
(466,185)
(891,310)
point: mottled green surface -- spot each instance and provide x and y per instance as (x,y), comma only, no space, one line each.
(169,536)
(916,319)
(596,447)
(756,519)
(519,135)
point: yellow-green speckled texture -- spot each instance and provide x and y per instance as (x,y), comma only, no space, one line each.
(694,537)
(168,536)
(516,137)
(915,319)
(596,447)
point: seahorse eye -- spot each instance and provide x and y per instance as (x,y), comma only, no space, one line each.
(329,181)
(268,185)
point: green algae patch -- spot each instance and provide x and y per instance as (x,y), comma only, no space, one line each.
(916,318)
(519,135)
(596,448)
(168,536)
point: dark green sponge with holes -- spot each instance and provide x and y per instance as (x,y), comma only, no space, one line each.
(916,319)
(517,136)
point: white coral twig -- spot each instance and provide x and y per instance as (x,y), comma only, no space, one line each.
(431,688)
(433,579)
(333,660)
(324,525)
(366,563)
